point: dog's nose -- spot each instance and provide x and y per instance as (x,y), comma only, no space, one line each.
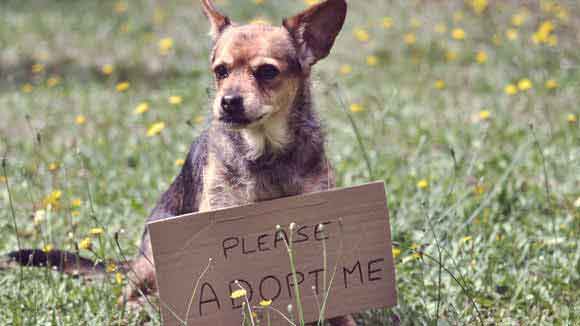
(232,103)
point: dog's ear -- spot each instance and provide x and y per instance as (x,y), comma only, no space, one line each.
(218,21)
(315,30)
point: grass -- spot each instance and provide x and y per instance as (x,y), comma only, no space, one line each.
(483,186)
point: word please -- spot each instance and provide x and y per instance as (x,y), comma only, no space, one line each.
(268,241)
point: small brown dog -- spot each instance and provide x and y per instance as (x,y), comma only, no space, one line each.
(265,140)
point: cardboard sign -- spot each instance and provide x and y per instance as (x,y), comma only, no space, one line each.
(244,244)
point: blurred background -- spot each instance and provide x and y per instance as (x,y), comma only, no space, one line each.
(467,109)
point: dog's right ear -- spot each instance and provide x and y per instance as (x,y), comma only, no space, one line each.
(218,21)
(315,30)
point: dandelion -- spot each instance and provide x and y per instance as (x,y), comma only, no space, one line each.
(396,252)
(52,81)
(361,34)
(155,129)
(440,84)
(165,45)
(372,60)
(481,57)
(175,100)
(524,84)
(111,267)
(311,2)
(510,89)
(80,119)
(466,239)
(356,108)
(511,34)
(572,118)
(96,231)
(423,184)
(119,278)
(265,303)
(440,28)
(53,167)
(345,69)
(518,19)
(86,244)
(122,86)
(409,38)
(76,202)
(179,162)
(552,40)
(458,34)
(52,199)
(478,6)
(37,68)
(199,119)
(141,108)
(387,22)
(27,88)
(75,213)
(551,84)
(450,55)
(484,115)
(48,248)
(543,32)
(479,189)
(107,69)
(238,294)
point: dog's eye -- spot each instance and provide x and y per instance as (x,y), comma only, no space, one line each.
(266,72)
(221,72)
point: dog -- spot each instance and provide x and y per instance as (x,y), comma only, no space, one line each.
(264,140)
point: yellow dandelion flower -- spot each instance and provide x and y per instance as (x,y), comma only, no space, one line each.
(450,55)
(75,213)
(27,88)
(165,45)
(107,69)
(52,199)
(356,108)
(372,60)
(96,231)
(409,38)
(238,294)
(86,244)
(440,28)
(478,6)
(543,33)
(466,239)
(479,189)
(510,89)
(155,129)
(311,2)
(37,68)
(179,162)
(396,252)
(2,179)
(265,303)
(423,184)
(111,267)
(484,115)
(572,118)
(122,86)
(119,278)
(48,248)
(141,108)
(551,84)
(199,119)
(80,119)
(387,22)
(440,84)
(458,34)
(481,57)
(175,100)
(552,40)
(524,84)
(511,34)
(53,81)
(76,202)
(345,69)
(120,7)
(53,166)
(361,34)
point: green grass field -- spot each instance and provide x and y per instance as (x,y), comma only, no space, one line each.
(467,110)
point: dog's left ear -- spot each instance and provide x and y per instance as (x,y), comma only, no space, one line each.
(218,21)
(315,30)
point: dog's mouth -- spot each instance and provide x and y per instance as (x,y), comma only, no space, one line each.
(239,121)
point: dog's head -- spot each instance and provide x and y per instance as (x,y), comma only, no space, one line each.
(259,68)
